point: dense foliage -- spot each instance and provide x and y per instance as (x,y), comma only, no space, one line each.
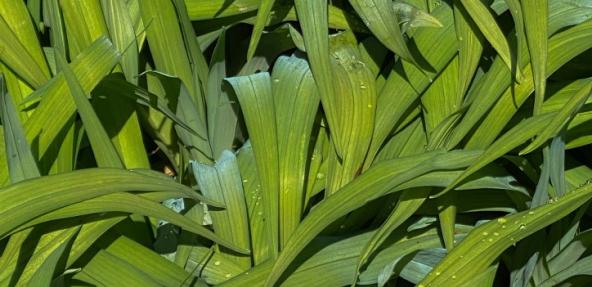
(295,143)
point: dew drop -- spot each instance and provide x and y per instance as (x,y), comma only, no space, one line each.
(503,227)
(260,213)
(485,233)
(531,212)
(453,277)
(320,175)
(369,105)
(438,273)
(501,220)
(245,180)
(522,226)
(228,275)
(490,239)
(217,263)
(495,234)
(276,80)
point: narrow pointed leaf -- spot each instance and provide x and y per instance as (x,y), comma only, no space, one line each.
(535,24)
(381,19)
(491,31)
(561,118)
(374,183)
(263,13)
(486,242)
(104,151)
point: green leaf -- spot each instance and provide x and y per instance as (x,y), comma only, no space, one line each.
(535,25)
(21,163)
(107,269)
(222,182)
(19,35)
(409,202)
(260,238)
(209,9)
(42,265)
(114,85)
(104,151)
(563,47)
(145,259)
(263,13)
(146,205)
(470,46)
(486,242)
(55,110)
(222,119)
(561,118)
(405,82)
(377,181)
(23,64)
(380,17)
(28,200)
(296,104)
(255,96)
(355,103)
(312,15)
(413,17)
(492,32)
(84,22)
(121,31)
(510,140)
(166,41)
